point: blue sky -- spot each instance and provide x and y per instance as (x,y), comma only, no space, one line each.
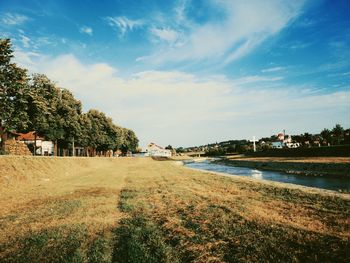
(189,72)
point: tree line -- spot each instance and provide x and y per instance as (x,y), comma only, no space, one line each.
(35,103)
(335,136)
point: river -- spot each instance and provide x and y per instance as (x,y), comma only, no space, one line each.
(336,184)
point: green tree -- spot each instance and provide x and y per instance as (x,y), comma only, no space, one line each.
(13,92)
(326,135)
(103,133)
(38,104)
(54,113)
(44,101)
(69,111)
(338,132)
(83,137)
(132,141)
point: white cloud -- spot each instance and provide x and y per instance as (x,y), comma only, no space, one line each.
(173,107)
(254,79)
(86,30)
(25,41)
(299,45)
(165,34)
(180,11)
(244,25)
(12,19)
(123,24)
(274,69)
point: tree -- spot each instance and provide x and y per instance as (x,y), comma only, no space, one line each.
(37,104)
(45,101)
(53,112)
(83,138)
(42,101)
(69,111)
(13,92)
(103,133)
(131,140)
(306,138)
(338,132)
(326,135)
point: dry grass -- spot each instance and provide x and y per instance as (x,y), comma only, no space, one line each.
(208,218)
(57,197)
(137,209)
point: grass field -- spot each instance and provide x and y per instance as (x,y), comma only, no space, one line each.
(141,210)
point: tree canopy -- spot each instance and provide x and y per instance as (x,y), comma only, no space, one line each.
(35,103)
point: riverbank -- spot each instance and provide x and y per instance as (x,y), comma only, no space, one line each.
(139,209)
(311,166)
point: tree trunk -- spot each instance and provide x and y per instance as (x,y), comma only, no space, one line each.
(34,144)
(3,137)
(73,149)
(55,148)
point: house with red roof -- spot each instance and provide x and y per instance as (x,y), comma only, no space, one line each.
(43,147)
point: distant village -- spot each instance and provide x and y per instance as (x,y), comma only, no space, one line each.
(31,144)
(327,137)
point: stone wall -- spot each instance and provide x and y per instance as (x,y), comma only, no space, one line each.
(13,147)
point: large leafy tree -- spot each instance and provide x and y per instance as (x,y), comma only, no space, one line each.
(83,136)
(131,139)
(128,141)
(103,136)
(37,104)
(326,135)
(13,92)
(44,100)
(69,111)
(338,132)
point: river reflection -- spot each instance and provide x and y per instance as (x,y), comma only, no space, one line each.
(330,183)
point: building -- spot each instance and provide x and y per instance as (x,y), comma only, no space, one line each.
(42,147)
(155,150)
(277,145)
(284,142)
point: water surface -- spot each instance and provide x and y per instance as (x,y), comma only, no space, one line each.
(330,183)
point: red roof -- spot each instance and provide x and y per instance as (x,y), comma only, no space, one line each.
(30,136)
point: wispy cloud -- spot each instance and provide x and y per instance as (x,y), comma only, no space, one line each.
(123,24)
(25,41)
(165,34)
(173,101)
(86,30)
(274,69)
(254,79)
(299,45)
(12,19)
(241,29)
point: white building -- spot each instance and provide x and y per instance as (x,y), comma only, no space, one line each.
(284,142)
(155,150)
(277,145)
(42,147)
